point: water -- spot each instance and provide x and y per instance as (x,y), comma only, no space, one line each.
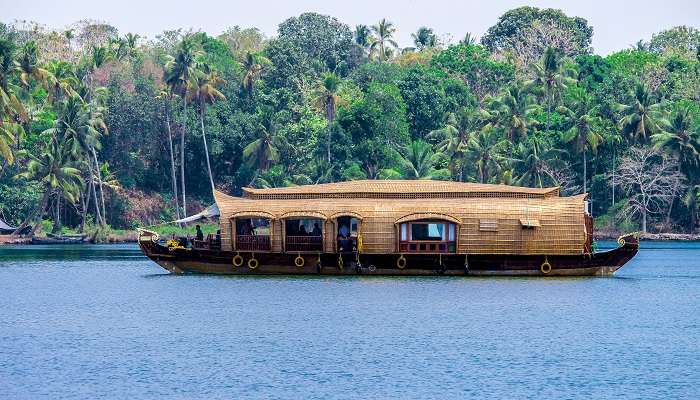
(104,322)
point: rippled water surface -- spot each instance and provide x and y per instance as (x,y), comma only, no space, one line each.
(104,322)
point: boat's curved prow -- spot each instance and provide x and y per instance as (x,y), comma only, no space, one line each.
(612,260)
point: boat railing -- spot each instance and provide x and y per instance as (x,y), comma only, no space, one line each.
(210,243)
(253,242)
(425,246)
(304,243)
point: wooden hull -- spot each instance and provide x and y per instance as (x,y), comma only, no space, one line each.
(182,261)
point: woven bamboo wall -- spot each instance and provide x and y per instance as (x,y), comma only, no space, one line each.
(561,221)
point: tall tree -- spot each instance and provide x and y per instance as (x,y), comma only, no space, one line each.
(180,69)
(253,65)
(486,150)
(384,33)
(453,138)
(552,78)
(204,92)
(582,115)
(640,115)
(513,110)
(424,38)
(418,161)
(327,99)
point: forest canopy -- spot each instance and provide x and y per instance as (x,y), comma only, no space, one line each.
(100,128)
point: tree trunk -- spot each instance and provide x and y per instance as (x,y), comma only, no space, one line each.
(84,201)
(206,149)
(57,215)
(585,173)
(173,176)
(99,181)
(613,179)
(182,156)
(667,222)
(644,220)
(98,215)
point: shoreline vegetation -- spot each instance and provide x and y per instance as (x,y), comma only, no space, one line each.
(103,131)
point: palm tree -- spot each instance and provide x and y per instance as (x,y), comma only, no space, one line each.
(167,97)
(64,80)
(264,150)
(12,112)
(79,127)
(363,36)
(640,116)
(534,154)
(383,31)
(424,38)
(56,174)
(131,40)
(179,71)
(204,92)
(513,111)
(486,149)
(28,65)
(679,139)
(418,160)
(551,77)
(453,138)
(253,65)
(582,114)
(327,99)
(468,40)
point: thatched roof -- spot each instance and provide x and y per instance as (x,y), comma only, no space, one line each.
(405,189)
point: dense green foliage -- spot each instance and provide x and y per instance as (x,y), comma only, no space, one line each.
(99,129)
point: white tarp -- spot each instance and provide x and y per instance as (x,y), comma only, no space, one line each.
(209,212)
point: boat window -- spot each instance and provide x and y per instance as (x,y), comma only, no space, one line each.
(428,236)
(252,234)
(304,234)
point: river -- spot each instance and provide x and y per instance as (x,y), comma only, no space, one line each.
(101,321)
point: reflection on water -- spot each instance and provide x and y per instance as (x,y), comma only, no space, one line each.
(101,321)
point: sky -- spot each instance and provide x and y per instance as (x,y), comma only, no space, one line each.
(617,24)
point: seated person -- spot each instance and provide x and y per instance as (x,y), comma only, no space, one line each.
(317,230)
(302,231)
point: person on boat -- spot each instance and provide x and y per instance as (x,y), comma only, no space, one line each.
(217,238)
(344,241)
(317,230)
(200,234)
(302,231)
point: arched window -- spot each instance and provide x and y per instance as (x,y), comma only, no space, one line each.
(303,232)
(252,231)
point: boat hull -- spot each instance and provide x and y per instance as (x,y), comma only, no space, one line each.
(183,261)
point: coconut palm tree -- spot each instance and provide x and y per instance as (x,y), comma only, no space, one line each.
(28,66)
(54,170)
(204,92)
(363,36)
(180,69)
(533,155)
(486,149)
(253,65)
(64,80)
(264,150)
(680,139)
(581,113)
(79,128)
(640,115)
(551,77)
(326,98)
(418,160)
(167,97)
(383,32)
(453,138)
(513,110)
(468,40)
(12,112)
(424,38)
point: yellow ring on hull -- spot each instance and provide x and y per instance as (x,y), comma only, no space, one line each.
(546,267)
(237,260)
(401,262)
(253,263)
(299,261)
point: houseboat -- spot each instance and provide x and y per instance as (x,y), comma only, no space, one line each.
(385,227)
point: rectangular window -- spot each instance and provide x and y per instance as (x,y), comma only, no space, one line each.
(404,229)
(429,231)
(488,225)
(451,236)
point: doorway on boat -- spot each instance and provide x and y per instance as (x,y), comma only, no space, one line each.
(428,236)
(303,234)
(347,234)
(252,234)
